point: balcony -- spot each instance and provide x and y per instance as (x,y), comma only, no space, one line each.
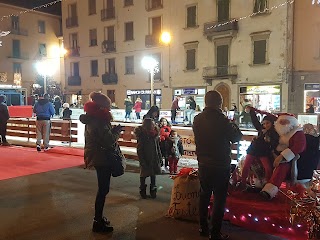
(74,52)
(108,13)
(153,5)
(109,78)
(108,46)
(19,55)
(219,72)
(74,81)
(18,31)
(212,29)
(152,40)
(72,22)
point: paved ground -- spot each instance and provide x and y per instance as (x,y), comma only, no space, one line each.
(58,205)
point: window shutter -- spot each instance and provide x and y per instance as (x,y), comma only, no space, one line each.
(259,52)
(191,59)
(191,16)
(223,10)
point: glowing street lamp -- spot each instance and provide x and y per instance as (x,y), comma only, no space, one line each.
(165,38)
(45,69)
(150,64)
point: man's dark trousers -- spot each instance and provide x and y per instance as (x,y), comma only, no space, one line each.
(3,131)
(173,115)
(213,179)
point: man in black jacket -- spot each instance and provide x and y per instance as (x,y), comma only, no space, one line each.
(213,137)
(4,116)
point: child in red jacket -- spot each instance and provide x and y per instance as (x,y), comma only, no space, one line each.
(165,129)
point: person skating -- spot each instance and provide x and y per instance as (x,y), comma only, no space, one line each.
(4,117)
(174,108)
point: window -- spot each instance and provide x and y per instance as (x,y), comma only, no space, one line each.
(93,37)
(15,22)
(109,44)
(260,47)
(222,55)
(156,27)
(128,3)
(17,68)
(260,6)
(92,7)
(16,48)
(223,10)
(191,52)
(41,27)
(74,40)
(129,31)
(156,3)
(42,50)
(75,69)
(129,65)
(94,68)
(110,65)
(191,16)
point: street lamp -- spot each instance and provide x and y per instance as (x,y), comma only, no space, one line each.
(150,64)
(165,38)
(45,69)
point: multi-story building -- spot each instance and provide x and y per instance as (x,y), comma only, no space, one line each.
(304,90)
(34,37)
(246,60)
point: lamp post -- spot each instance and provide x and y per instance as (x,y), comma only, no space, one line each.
(45,69)
(166,40)
(150,64)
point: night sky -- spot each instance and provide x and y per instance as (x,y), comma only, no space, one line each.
(54,9)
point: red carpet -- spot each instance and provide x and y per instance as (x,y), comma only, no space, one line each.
(250,211)
(22,161)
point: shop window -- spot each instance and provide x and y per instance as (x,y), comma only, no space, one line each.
(223,7)
(41,27)
(129,65)
(191,55)
(191,16)
(92,7)
(260,6)
(128,3)
(128,31)
(260,47)
(93,37)
(94,68)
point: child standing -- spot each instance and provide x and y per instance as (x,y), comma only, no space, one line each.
(261,147)
(137,107)
(175,151)
(165,129)
(149,153)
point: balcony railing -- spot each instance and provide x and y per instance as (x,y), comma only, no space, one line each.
(108,46)
(74,52)
(152,40)
(153,5)
(109,78)
(108,13)
(18,31)
(72,22)
(217,28)
(218,72)
(22,56)
(74,81)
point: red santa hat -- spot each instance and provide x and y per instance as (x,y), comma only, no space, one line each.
(288,116)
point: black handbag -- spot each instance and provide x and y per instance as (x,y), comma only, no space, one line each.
(117,161)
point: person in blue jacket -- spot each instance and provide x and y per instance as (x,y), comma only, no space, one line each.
(44,110)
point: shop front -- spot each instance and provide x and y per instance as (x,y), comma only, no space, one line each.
(144,94)
(312,97)
(196,93)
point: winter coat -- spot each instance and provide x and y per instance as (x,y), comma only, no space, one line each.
(213,135)
(66,114)
(164,133)
(4,113)
(137,107)
(175,147)
(128,105)
(149,152)
(192,103)
(99,138)
(43,109)
(266,142)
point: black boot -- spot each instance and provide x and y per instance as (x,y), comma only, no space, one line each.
(101,226)
(143,191)
(153,191)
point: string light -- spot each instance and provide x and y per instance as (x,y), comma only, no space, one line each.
(315,2)
(31,10)
(253,14)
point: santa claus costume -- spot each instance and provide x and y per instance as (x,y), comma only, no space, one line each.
(292,142)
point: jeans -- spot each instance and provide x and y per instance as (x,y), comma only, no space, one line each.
(189,115)
(138,115)
(127,115)
(103,175)
(213,179)
(3,131)
(173,115)
(43,132)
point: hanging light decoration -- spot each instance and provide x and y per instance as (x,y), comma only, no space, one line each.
(3,34)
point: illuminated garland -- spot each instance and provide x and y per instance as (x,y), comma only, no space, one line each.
(315,1)
(31,10)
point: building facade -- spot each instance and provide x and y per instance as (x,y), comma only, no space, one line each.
(34,37)
(304,90)
(245,60)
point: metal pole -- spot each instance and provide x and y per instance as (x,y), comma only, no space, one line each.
(45,84)
(151,87)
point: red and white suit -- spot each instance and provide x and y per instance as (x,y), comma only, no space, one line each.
(290,145)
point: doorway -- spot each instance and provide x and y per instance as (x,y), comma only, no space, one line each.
(224,90)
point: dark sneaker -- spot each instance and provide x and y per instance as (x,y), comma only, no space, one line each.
(38,148)
(101,226)
(218,236)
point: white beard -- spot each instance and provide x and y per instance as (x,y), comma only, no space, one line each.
(283,129)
